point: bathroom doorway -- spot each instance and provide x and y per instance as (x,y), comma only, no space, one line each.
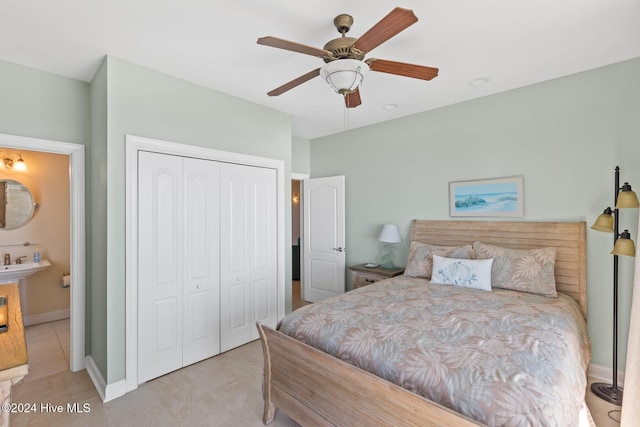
(76,249)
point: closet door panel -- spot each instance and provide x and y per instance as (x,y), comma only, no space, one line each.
(201,260)
(159,265)
(235,233)
(264,247)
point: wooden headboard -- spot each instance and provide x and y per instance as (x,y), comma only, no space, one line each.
(569,239)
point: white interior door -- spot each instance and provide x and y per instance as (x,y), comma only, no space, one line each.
(178,262)
(201,260)
(235,233)
(323,238)
(160,265)
(264,247)
(248,240)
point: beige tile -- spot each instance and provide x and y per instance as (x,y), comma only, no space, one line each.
(62,327)
(45,364)
(39,332)
(62,388)
(90,413)
(45,344)
(219,391)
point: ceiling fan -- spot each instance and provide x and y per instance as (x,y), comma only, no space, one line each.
(344,57)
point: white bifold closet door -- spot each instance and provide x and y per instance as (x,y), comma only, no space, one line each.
(207,258)
(248,252)
(178,262)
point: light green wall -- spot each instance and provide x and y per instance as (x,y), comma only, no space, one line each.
(147,103)
(300,160)
(42,105)
(565,136)
(96,205)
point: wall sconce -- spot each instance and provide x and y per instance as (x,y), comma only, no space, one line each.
(389,235)
(295,198)
(607,221)
(15,162)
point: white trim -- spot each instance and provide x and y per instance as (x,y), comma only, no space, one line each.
(133,144)
(77,225)
(50,316)
(604,374)
(106,391)
(299,176)
(96,377)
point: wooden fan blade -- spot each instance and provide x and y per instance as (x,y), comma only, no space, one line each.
(402,69)
(295,82)
(293,46)
(352,100)
(397,20)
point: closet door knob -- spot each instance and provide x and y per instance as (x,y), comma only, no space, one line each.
(198,286)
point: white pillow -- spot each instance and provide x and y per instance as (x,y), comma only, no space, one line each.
(469,273)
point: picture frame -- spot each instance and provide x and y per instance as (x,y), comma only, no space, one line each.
(496,197)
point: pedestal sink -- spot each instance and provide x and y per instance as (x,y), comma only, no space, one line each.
(14,272)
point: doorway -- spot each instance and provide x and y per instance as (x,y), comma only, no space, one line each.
(297,297)
(77,233)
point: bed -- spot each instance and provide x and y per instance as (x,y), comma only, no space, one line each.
(316,388)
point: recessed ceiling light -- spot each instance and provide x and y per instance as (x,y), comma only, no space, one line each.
(479,82)
(390,106)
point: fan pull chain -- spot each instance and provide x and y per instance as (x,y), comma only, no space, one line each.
(346,116)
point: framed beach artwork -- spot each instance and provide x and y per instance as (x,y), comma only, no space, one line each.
(503,197)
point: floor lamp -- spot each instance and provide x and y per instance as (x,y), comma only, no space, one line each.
(624,197)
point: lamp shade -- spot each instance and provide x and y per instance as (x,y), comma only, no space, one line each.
(604,222)
(390,234)
(624,245)
(344,75)
(627,198)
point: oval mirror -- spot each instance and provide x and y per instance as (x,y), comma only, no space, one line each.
(16,204)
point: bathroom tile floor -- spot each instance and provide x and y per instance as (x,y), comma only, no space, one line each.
(221,391)
(48,348)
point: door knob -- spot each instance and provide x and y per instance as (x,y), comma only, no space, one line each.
(198,286)
(340,249)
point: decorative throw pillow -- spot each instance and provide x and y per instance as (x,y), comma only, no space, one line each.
(420,262)
(469,273)
(529,271)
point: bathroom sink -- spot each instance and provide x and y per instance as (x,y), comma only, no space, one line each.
(14,272)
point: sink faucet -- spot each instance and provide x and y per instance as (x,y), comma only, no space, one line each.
(19,259)
(7,259)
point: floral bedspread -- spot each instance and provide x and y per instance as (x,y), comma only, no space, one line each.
(503,358)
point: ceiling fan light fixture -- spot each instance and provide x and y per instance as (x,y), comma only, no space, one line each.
(344,75)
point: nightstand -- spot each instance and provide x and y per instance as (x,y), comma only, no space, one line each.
(362,276)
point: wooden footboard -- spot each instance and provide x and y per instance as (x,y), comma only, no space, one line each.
(316,389)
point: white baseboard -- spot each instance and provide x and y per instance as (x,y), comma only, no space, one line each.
(106,391)
(51,316)
(604,374)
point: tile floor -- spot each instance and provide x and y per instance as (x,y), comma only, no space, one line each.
(220,391)
(48,348)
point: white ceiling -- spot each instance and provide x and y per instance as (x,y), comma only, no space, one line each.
(513,43)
